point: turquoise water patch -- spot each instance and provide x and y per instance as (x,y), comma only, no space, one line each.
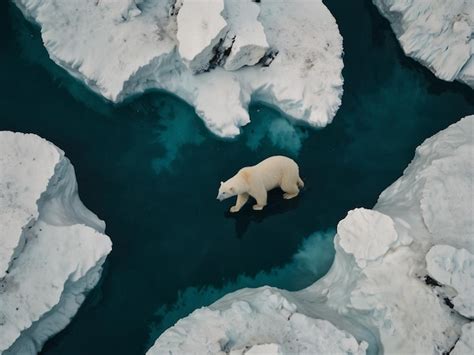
(273,129)
(151,170)
(177,129)
(311,262)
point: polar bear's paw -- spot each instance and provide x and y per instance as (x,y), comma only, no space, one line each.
(234,209)
(288,196)
(258,207)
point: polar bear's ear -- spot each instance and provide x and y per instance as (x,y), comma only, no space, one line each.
(222,182)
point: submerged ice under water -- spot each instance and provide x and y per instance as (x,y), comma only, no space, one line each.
(151,170)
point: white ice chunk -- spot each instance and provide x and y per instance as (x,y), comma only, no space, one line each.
(436,33)
(250,43)
(447,204)
(125,57)
(267,322)
(264,349)
(19,191)
(366,234)
(51,246)
(200,28)
(121,10)
(455,268)
(465,344)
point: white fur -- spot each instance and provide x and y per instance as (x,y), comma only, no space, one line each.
(257,180)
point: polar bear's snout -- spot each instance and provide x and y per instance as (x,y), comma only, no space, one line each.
(221,193)
(225,191)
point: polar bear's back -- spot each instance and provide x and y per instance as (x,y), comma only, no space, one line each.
(274,169)
(277,162)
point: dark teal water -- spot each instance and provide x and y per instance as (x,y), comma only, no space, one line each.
(151,170)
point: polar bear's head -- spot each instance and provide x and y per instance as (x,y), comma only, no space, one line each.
(226,190)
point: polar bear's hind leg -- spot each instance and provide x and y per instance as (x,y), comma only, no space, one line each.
(289,195)
(289,185)
(300,183)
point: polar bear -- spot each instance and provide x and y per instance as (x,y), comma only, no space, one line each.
(255,181)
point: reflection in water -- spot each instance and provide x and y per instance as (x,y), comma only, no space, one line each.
(275,205)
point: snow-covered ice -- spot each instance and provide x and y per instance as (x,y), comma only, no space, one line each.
(262,349)
(465,344)
(437,33)
(377,229)
(200,28)
(377,290)
(122,48)
(265,322)
(455,268)
(250,43)
(51,246)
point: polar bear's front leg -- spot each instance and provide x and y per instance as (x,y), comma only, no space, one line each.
(260,195)
(241,200)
